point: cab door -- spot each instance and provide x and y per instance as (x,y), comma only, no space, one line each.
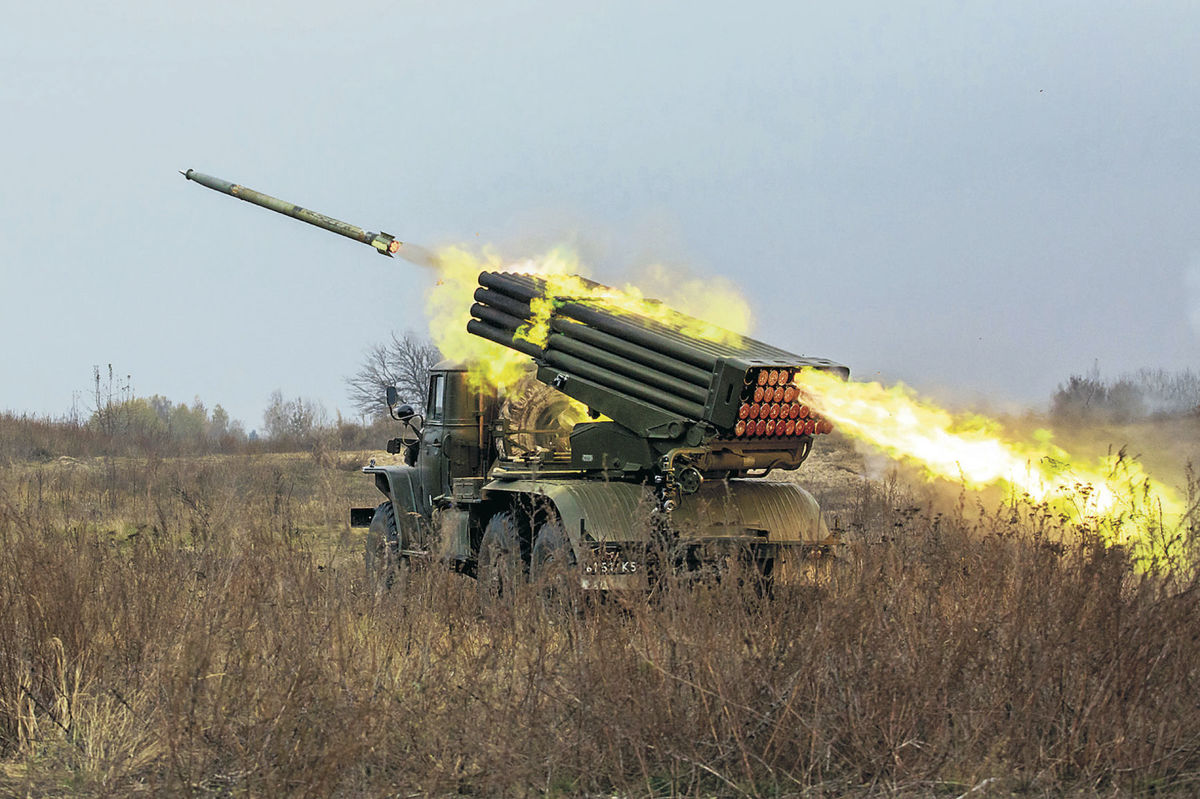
(431,461)
(453,437)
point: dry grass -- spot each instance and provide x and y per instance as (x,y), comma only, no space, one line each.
(204,627)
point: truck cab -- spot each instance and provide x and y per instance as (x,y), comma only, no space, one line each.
(455,436)
(449,439)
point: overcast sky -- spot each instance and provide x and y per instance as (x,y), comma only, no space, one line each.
(976,198)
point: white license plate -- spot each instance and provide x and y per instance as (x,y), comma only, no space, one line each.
(604,567)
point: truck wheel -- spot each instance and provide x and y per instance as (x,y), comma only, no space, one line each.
(552,561)
(552,557)
(382,552)
(501,568)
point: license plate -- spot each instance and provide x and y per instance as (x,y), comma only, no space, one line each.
(614,566)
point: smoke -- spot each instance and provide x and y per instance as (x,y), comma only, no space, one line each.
(712,298)
(416,254)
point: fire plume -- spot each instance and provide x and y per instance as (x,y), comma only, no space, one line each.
(1113,495)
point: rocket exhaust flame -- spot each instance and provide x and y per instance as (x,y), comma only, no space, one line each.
(1114,496)
(416,254)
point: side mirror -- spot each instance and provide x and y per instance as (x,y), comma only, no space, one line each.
(404,412)
(392,396)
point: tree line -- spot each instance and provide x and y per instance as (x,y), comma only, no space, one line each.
(1131,397)
(122,423)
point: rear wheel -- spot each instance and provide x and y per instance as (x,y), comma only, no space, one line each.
(551,559)
(383,545)
(553,568)
(501,564)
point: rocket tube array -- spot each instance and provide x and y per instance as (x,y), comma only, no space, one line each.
(640,358)
(597,347)
(771,408)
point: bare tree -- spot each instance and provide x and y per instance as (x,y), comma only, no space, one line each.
(112,398)
(403,362)
(1170,392)
(296,419)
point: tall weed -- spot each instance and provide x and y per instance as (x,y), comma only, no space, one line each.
(204,626)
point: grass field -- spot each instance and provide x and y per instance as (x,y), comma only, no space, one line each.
(204,627)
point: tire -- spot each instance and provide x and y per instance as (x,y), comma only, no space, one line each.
(552,561)
(554,569)
(383,544)
(501,563)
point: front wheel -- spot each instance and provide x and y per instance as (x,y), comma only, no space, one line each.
(381,553)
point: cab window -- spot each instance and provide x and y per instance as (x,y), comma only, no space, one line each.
(437,398)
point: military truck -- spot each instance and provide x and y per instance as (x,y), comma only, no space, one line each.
(664,471)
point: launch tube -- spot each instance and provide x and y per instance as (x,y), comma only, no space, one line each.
(640,335)
(594,355)
(497,319)
(518,287)
(612,380)
(504,303)
(503,337)
(665,339)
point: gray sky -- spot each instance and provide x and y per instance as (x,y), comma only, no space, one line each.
(976,198)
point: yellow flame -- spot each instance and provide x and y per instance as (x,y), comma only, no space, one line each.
(707,309)
(974,450)
(448,305)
